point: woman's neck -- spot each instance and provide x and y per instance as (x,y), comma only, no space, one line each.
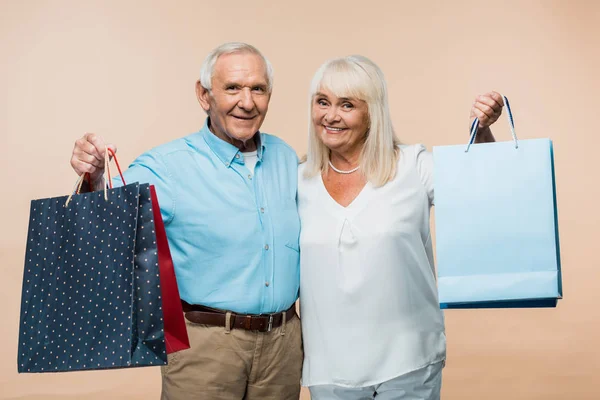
(345,160)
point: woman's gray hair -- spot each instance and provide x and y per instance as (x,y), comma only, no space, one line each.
(208,66)
(359,78)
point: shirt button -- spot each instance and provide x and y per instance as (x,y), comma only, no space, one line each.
(237,156)
(227,164)
(262,210)
(266,247)
(249,176)
(267,284)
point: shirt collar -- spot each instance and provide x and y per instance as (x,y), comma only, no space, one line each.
(226,152)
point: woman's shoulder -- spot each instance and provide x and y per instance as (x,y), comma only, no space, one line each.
(411,153)
(301,168)
(414,147)
(303,176)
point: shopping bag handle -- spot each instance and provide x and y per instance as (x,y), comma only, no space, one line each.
(511,124)
(82,177)
(114,156)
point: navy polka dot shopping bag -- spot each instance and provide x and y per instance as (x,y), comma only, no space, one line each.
(99,289)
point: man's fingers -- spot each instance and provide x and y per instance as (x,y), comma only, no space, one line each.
(497,98)
(87,159)
(90,159)
(83,150)
(487,108)
(490,101)
(113,148)
(490,97)
(82,167)
(484,119)
(484,109)
(83,146)
(89,155)
(98,143)
(479,114)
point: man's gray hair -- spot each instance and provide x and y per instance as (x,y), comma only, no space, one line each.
(208,66)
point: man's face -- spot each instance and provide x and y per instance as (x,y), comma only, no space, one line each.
(239,99)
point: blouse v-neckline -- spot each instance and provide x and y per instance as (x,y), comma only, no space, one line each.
(357,204)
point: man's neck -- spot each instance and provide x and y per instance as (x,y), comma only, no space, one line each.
(248,145)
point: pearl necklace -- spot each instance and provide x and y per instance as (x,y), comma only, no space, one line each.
(339,171)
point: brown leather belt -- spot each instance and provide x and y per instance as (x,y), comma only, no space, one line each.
(211,316)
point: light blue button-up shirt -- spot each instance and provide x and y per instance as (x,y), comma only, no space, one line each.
(233,235)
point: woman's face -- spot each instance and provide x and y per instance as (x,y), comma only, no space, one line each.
(340,122)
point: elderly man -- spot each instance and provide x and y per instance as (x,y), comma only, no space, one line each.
(228,199)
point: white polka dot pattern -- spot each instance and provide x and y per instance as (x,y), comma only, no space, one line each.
(91,289)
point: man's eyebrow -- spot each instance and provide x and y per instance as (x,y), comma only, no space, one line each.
(233,83)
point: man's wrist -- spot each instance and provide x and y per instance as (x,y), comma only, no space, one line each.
(98,184)
(93,186)
(484,135)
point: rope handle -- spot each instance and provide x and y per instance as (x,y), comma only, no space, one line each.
(107,177)
(511,125)
(114,156)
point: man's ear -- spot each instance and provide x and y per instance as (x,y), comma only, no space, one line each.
(202,94)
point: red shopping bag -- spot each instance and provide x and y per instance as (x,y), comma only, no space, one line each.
(176,337)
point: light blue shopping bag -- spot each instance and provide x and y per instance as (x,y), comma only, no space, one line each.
(496,223)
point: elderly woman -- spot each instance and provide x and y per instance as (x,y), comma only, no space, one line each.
(371,320)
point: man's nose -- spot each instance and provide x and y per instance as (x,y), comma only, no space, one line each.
(246,101)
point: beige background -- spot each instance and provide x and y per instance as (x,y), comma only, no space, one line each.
(127,69)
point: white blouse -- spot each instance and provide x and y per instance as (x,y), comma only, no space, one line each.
(368,296)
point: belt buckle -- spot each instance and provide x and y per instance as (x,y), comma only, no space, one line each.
(270,323)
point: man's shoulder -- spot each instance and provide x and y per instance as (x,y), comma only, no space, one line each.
(164,152)
(274,141)
(174,146)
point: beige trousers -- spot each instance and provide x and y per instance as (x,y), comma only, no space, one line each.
(236,365)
